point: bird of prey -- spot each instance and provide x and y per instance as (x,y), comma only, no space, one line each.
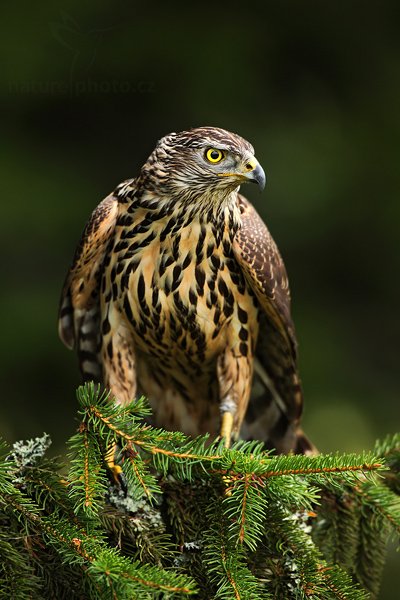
(177,291)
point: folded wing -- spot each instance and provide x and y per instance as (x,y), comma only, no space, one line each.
(79,314)
(276,404)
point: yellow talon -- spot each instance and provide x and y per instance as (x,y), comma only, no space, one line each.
(226,428)
(115,469)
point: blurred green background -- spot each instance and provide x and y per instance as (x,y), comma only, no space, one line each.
(86,91)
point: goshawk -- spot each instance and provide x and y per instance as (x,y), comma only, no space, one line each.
(177,291)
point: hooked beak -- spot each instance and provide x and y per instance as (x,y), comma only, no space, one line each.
(254,172)
(250,170)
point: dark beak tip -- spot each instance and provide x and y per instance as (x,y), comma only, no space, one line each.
(259,178)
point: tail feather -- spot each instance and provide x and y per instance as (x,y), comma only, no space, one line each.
(268,419)
(89,344)
(66,320)
(304,445)
(80,328)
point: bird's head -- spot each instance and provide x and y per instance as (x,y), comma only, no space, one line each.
(205,162)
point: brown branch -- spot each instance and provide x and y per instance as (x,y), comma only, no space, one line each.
(155,450)
(148,447)
(135,468)
(76,544)
(243,511)
(158,586)
(384,513)
(310,471)
(83,430)
(325,574)
(227,571)
(233,584)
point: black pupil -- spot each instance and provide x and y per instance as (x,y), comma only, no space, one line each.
(215,154)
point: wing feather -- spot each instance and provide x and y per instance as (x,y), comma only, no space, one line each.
(276,352)
(79,311)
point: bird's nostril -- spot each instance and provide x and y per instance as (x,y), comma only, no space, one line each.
(249,167)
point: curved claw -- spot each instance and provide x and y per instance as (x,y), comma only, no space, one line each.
(117,474)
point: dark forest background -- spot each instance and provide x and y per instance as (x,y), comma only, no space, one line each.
(87,89)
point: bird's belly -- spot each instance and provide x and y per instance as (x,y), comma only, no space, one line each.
(182,320)
(183,313)
(183,309)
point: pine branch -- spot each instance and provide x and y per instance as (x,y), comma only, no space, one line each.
(240,522)
(108,567)
(17,577)
(389,450)
(298,566)
(226,561)
(245,507)
(87,473)
(137,529)
(181,455)
(88,551)
(384,505)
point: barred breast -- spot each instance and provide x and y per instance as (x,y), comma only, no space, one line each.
(184,297)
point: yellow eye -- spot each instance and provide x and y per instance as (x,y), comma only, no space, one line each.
(214,155)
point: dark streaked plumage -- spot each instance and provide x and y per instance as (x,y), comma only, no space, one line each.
(177,290)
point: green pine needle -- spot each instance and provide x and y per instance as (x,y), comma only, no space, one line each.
(197,518)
